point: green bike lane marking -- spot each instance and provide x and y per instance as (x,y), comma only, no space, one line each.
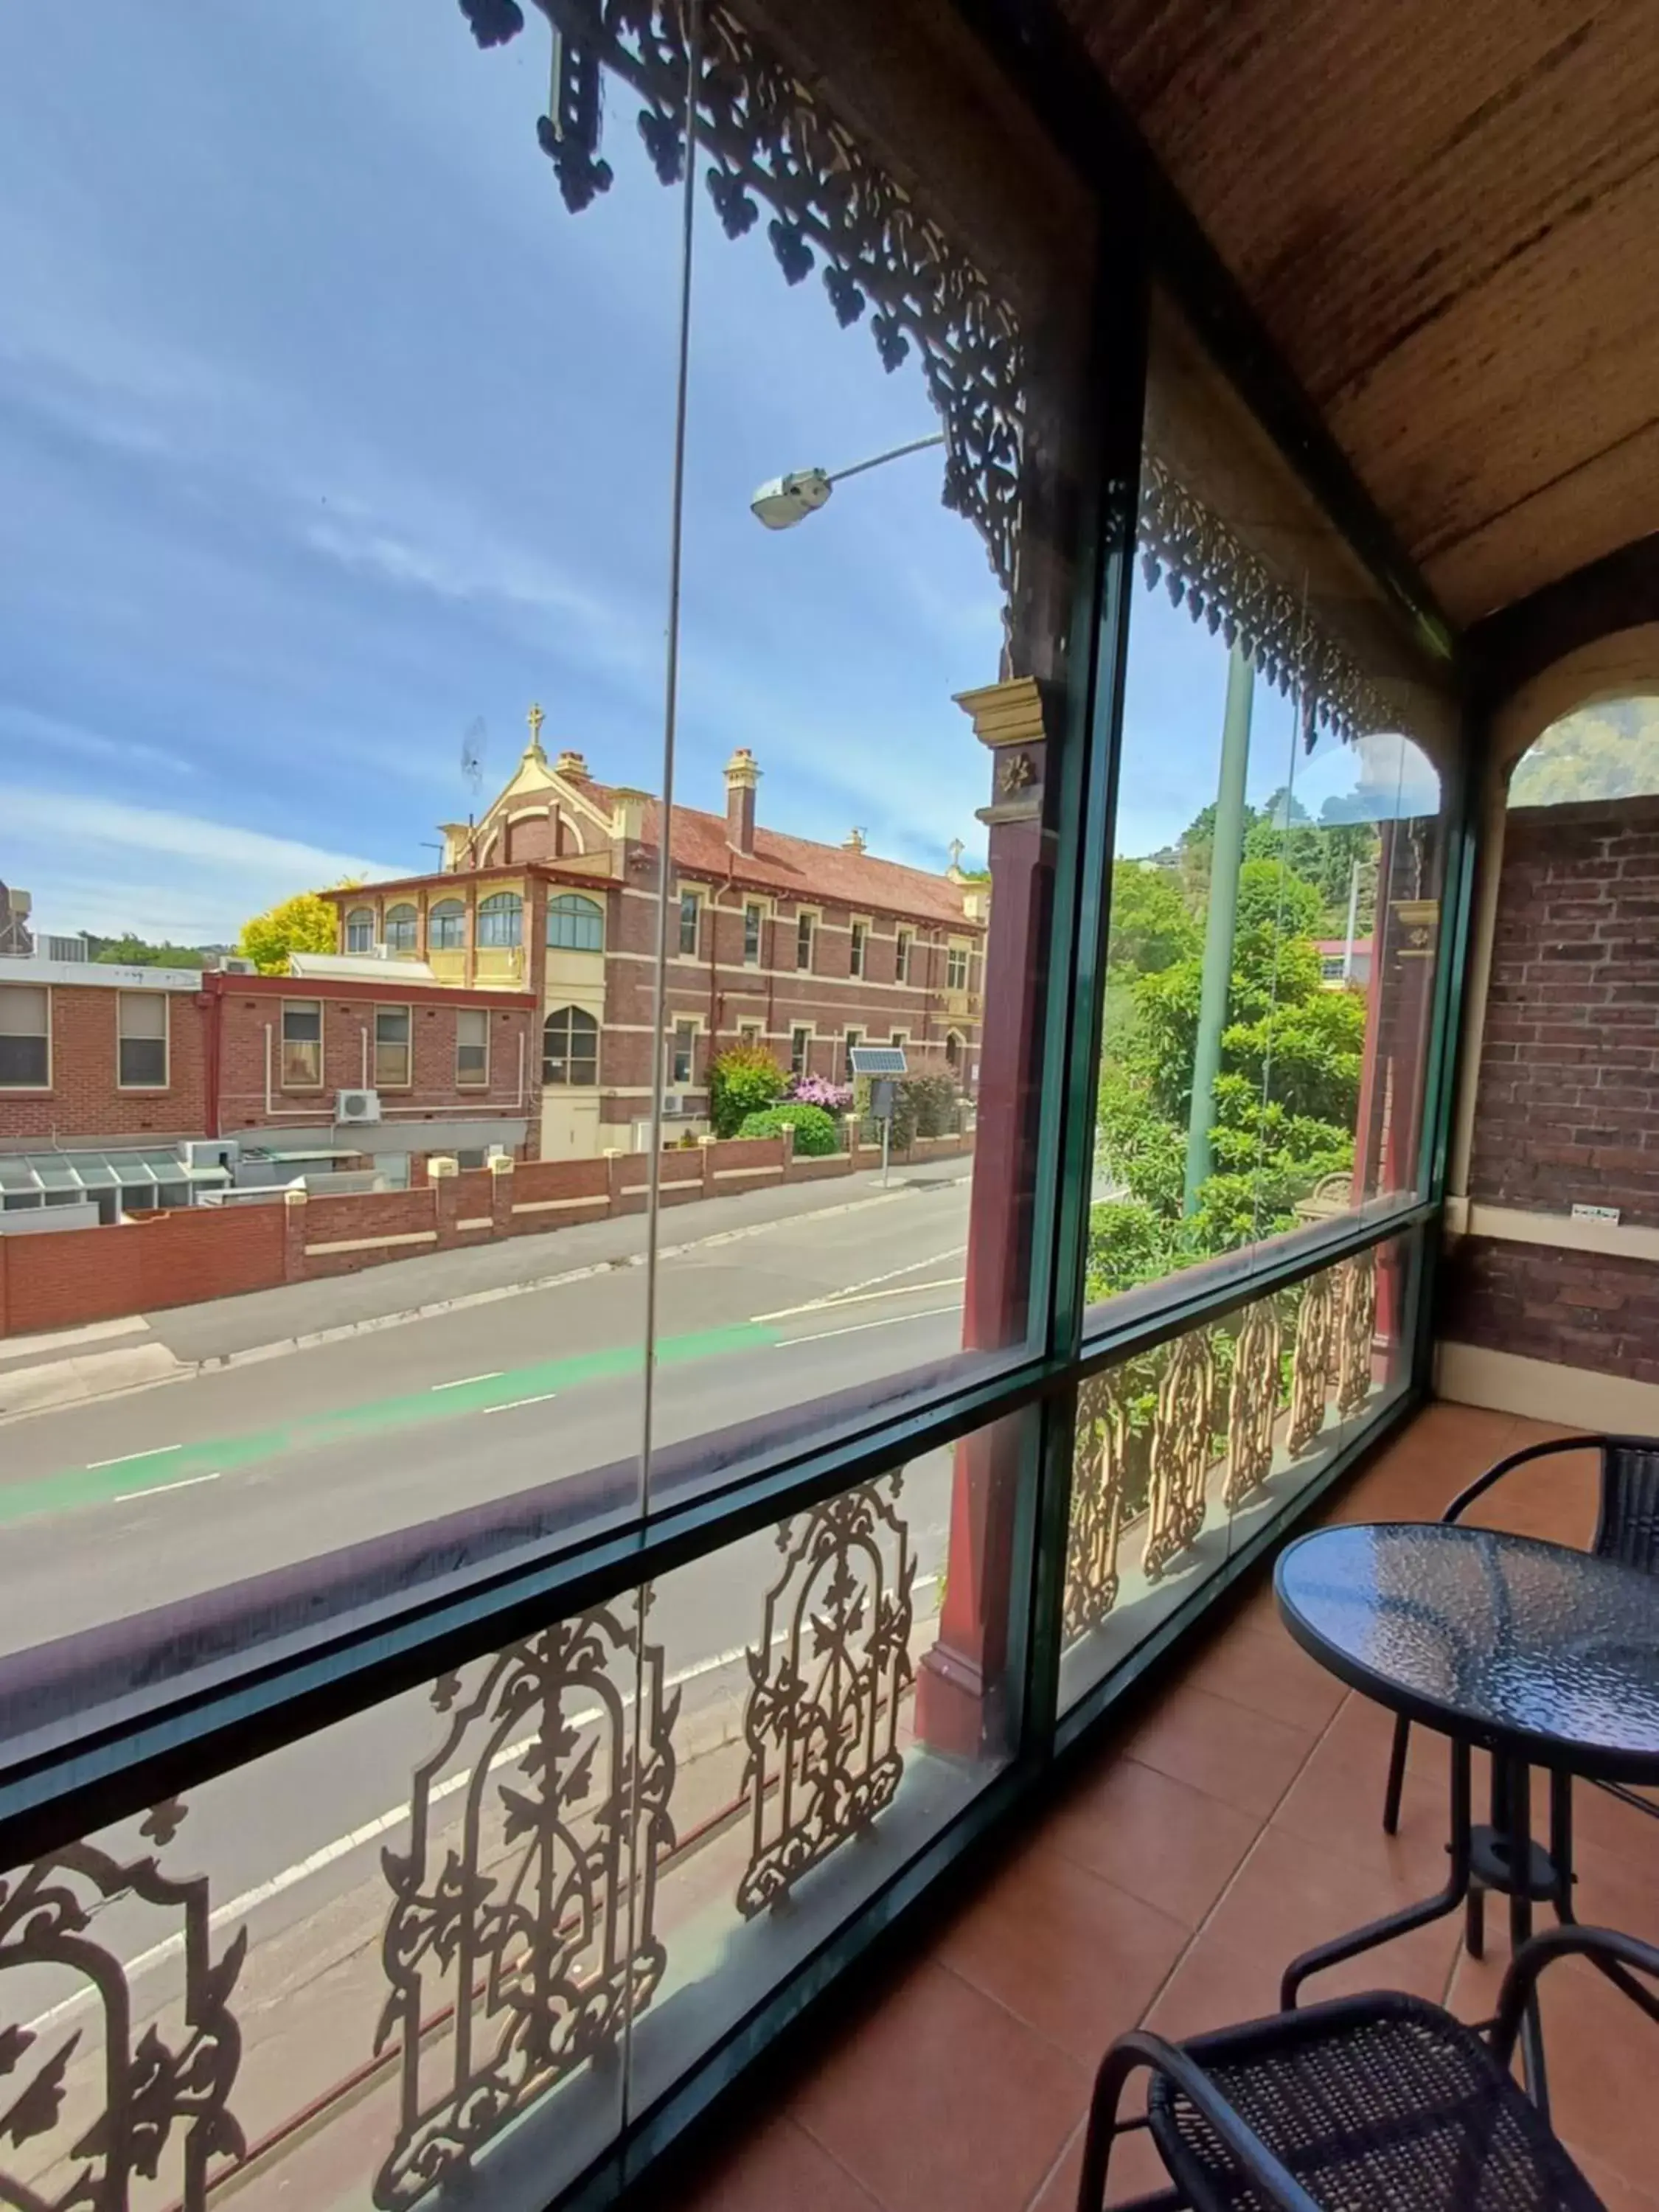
(171,1465)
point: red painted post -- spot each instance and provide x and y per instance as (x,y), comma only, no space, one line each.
(959,1681)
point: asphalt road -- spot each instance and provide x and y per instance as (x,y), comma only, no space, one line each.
(108,1509)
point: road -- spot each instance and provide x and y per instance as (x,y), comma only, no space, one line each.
(110,1508)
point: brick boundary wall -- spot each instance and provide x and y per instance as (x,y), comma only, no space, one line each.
(65,1279)
(1567,1106)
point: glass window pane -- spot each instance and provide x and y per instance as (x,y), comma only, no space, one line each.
(1278,840)
(446,927)
(24,1048)
(143,1013)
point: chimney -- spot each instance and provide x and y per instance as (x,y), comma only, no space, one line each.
(854,843)
(741,778)
(572,767)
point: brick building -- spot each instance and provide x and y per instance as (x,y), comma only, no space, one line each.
(803,948)
(117,1083)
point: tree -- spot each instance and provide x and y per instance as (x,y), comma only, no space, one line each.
(132,951)
(1607,752)
(304,923)
(743,1080)
(1151,927)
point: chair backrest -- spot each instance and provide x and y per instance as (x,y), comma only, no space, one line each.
(1628,1530)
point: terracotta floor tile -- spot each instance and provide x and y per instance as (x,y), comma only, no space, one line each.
(1067,1952)
(1159,1838)
(1615,2192)
(778,2165)
(1216,1984)
(941,2102)
(1136,2170)
(1290,1895)
(1339,1810)
(1245,1758)
(1361,1735)
(1258,1666)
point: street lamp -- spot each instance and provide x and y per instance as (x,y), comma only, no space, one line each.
(788,499)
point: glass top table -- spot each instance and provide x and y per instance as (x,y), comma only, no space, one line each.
(1541,1656)
(1515,1645)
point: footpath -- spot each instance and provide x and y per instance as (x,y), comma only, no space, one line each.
(68,1367)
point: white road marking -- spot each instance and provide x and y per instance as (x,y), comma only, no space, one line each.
(871,1284)
(857,1327)
(513,1404)
(161,1490)
(460,1382)
(155,1451)
(370,1831)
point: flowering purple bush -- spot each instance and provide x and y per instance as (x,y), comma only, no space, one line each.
(816,1090)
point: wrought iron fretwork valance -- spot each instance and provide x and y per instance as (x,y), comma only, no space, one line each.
(1208,567)
(770,143)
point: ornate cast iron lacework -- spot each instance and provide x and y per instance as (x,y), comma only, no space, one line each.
(1313,1369)
(1253,1403)
(1207,565)
(1355,1327)
(1096,1519)
(1180,1451)
(144,2094)
(821,1720)
(769,142)
(516,1929)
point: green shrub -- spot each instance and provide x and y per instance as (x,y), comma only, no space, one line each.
(815,1130)
(743,1080)
(933,1103)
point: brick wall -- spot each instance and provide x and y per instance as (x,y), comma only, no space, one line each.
(84,1099)
(66,1278)
(1567,1109)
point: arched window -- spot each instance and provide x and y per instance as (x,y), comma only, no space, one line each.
(402,929)
(575,924)
(360,929)
(953,1052)
(501,918)
(445,926)
(570,1047)
(1609,750)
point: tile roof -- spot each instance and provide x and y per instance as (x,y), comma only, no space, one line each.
(799,868)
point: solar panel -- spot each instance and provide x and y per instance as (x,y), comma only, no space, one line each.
(877,1060)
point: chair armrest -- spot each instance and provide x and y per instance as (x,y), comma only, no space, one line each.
(1272,2182)
(1483,1483)
(1609,1947)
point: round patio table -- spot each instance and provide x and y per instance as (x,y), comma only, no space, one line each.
(1541,1656)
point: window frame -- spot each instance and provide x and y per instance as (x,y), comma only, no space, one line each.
(36,1090)
(439,916)
(851,1037)
(318,1043)
(681,1043)
(357,920)
(904,945)
(803,1035)
(858,947)
(958,964)
(394,1010)
(808,922)
(481,1081)
(123,1082)
(499,907)
(568,1081)
(691,903)
(564,908)
(407,917)
(754,909)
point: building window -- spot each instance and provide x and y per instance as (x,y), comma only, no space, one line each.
(142,1046)
(501,918)
(752,917)
(402,929)
(854,1038)
(392,1048)
(800,1051)
(690,906)
(25,1037)
(855,949)
(570,1047)
(302,1044)
(360,929)
(956,968)
(471,1048)
(901,956)
(804,940)
(901,1038)
(953,1052)
(446,926)
(748,1032)
(575,924)
(682,1055)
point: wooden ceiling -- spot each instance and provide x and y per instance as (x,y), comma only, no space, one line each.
(1446,212)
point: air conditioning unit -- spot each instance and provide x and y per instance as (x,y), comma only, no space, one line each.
(210,1152)
(357,1106)
(231,963)
(676,1106)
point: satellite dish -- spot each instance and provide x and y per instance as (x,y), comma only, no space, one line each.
(473,755)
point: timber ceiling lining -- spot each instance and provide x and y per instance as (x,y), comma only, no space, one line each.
(1448,218)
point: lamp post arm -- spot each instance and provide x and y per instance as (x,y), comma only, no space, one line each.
(895,453)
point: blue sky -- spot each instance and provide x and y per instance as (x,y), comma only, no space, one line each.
(325,431)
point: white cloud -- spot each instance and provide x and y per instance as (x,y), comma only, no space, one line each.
(22,728)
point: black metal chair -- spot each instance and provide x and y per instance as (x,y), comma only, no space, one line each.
(1369,2104)
(1626,1530)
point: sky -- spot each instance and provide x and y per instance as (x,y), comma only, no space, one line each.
(327,434)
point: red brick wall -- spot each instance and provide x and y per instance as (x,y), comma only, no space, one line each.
(1567,1110)
(84,1099)
(61,1280)
(1568,1107)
